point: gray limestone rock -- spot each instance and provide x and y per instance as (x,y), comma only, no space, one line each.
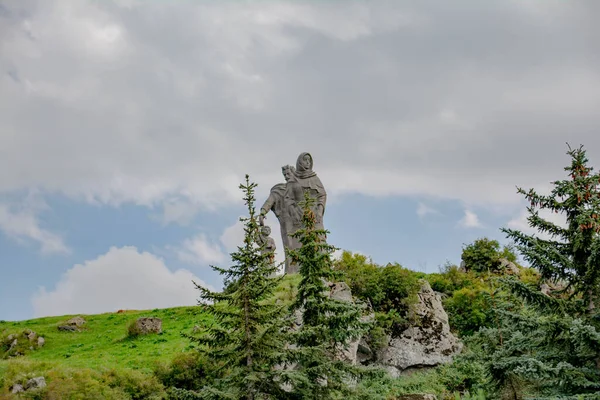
(41,342)
(72,325)
(68,328)
(16,388)
(35,383)
(76,321)
(428,344)
(146,325)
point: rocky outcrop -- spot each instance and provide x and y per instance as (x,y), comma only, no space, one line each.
(75,324)
(32,384)
(17,344)
(427,344)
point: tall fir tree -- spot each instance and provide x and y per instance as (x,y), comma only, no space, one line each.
(572,254)
(249,333)
(550,345)
(327,325)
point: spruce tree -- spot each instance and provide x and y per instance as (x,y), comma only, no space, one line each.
(550,345)
(572,254)
(327,325)
(248,336)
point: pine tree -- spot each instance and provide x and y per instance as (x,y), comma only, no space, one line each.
(573,252)
(328,325)
(551,344)
(248,336)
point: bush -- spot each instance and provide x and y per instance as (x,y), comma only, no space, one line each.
(133,329)
(186,371)
(484,255)
(81,383)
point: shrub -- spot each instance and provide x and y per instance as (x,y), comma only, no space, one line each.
(186,371)
(133,329)
(484,255)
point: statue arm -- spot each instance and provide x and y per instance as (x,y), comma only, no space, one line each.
(266,207)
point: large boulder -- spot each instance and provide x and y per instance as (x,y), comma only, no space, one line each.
(427,344)
(146,325)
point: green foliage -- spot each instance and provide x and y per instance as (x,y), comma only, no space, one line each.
(81,383)
(390,290)
(248,336)
(573,252)
(186,371)
(451,279)
(552,345)
(328,325)
(483,255)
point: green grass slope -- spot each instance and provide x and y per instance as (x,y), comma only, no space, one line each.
(104,342)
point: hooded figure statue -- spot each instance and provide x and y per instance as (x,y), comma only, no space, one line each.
(310,182)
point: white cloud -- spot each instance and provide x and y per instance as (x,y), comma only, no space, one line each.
(423,210)
(520,223)
(123,278)
(200,250)
(233,236)
(23,223)
(470,220)
(227,89)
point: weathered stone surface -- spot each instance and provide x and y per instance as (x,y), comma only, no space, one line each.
(32,336)
(417,397)
(146,325)
(68,328)
(285,201)
(72,325)
(13,345)
(17,389)
(35,383)
(427,345)
(41,342)
(340,291)
(76,321)
(509,267)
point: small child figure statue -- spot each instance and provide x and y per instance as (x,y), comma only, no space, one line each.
(266,242)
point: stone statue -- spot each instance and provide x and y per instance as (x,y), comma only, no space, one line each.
(266,242)
(285,201)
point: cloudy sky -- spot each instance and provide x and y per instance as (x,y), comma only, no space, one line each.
(126,127)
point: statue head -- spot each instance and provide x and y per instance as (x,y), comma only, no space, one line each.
(304,163)
(265,230)
(288,172)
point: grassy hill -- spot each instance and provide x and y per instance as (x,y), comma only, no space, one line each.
(103,344)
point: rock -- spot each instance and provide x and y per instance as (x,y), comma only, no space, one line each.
(72,325)
(148,325)
(417,397)
(76,321)
(13,345)
(35,383)
(426,345)
(31,336)
(11,337)
(364,354)
(68,328)
(340,291)
(17,389)
(509,267)
(41,342)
